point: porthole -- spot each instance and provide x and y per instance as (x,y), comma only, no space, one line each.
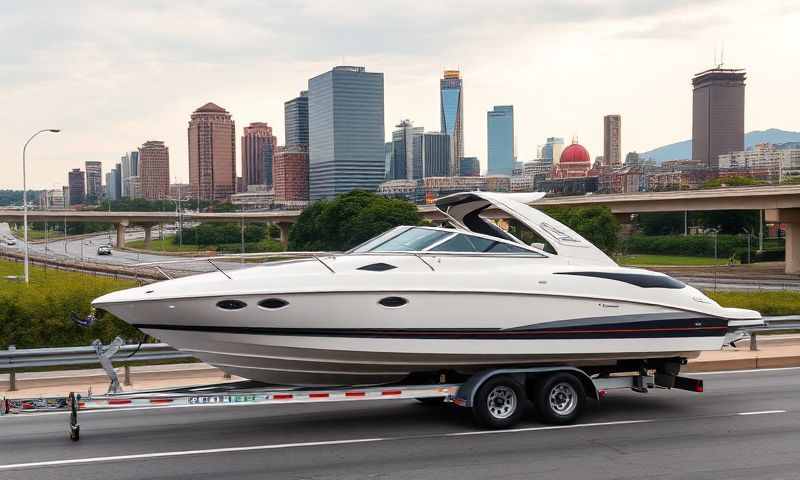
(377,267)
(273,303)
(231,304)
(393,302)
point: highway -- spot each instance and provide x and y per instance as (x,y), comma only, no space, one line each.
(745,426)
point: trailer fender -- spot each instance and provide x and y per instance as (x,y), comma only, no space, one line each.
(465,396)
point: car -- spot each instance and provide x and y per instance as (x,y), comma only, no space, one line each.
(10,241)
(104,250)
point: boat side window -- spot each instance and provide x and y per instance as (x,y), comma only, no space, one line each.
(463,243)
(500,247)
(412,240)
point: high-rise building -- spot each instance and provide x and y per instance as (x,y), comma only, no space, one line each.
(130,168)
(551,150)
(53,199)
(296,120)
(94,181)
(346,131)
(717,114)
(290,173)
(612,136)
(77,186)
(500,136)
(113,184)
(402,166)
(470,167)
(632,159)
(451,107)
(154,170)
(212,153)
(432,155)
(388,152)
(258,147)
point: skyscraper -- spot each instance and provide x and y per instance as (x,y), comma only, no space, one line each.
(346,131)
(212,153)
(451,106)
(77,186)
(500,135)
(402,164)
(717,114)
(551,150)
(290,173)
(295,113)
(113,184)
(432,155)
(470,167)
(94,181)
(612,133)
(258,147)
(154,170)
(130,168)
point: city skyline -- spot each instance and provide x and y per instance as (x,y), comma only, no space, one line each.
(116,112)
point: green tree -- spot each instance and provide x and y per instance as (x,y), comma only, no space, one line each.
(348,220)
(732,182)
(596,224)
(660,223)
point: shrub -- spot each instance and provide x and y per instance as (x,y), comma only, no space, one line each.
(691,245)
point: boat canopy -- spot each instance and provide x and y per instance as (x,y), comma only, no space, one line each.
(466,208)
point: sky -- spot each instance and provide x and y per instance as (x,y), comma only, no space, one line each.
(113,75)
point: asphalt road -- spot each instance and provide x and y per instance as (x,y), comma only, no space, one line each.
(746,425)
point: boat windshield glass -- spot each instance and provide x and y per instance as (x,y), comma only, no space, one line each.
(411,240)
(471,243)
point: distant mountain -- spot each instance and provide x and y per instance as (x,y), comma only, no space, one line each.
(683,150)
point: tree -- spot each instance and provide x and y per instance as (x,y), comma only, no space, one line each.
(732,182)
(596,224)
(348,220)
(660,223)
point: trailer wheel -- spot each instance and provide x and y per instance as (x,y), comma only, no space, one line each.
(499,403)
(559,398)
(75,433)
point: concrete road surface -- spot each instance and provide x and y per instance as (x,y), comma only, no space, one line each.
(746,426)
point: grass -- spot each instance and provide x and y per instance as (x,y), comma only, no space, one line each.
(167,245)
(768,303)
(670,260)
(38,315)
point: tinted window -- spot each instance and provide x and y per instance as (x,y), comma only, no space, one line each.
(412,240)
(506,248)
(464,243)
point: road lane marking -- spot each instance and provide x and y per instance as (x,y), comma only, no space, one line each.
(279,446)
(763,412)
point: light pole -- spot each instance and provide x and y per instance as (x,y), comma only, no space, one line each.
(25,196)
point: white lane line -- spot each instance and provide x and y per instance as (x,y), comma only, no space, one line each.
(182,453)
(754,370)
(763,412)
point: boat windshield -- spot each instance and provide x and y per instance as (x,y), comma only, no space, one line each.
(420,239)
(411,240)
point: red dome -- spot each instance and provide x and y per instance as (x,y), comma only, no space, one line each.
(575,153)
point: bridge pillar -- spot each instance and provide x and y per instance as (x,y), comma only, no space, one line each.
(790,218)
(121,233)
(284,226)
(148,231)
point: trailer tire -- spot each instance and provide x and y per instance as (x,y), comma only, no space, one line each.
(499,403)
(559,398)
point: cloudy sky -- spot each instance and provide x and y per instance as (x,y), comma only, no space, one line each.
(115,74)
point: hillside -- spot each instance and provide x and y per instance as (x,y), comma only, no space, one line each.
(683,150)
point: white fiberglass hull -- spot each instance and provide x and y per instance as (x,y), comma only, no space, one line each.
(347,338)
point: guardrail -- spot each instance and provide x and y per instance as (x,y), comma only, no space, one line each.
(778,324)
(14,359)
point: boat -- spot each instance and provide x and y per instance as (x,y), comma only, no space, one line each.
(499,284)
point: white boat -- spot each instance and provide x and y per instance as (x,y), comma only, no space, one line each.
(426,300)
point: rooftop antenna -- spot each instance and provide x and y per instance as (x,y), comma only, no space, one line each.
(722,55)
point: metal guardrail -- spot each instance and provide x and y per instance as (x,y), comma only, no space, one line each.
(14,359)
(778,324)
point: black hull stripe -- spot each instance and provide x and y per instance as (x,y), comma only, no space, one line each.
(700,328)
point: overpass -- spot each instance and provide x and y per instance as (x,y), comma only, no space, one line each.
(780,203)
(148,220)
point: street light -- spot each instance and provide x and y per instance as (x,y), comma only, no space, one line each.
(25,195)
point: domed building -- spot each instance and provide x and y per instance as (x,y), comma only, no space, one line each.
(574,162)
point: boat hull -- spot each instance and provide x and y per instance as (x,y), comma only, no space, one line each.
(347,338)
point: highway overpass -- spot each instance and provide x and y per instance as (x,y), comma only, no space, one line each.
(780,203)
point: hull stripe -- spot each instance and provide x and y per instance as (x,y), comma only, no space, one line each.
(703,327)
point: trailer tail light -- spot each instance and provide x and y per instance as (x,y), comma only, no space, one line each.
(602,393)
(689,384)
(282,396)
